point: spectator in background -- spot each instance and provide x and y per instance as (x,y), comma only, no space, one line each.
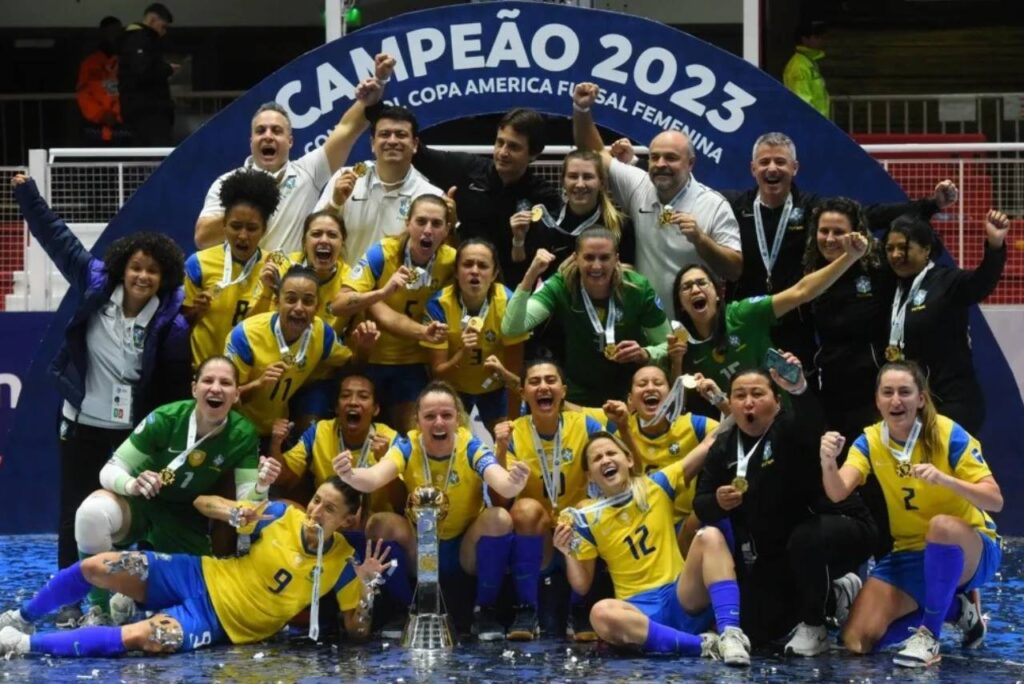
(146,104)
(802,74)
(96,91)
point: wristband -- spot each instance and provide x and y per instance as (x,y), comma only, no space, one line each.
(336,208)
(582,110)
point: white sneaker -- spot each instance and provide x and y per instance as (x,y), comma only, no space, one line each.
(845,589)
(807,640)
(709,646)
(95,617)
(971,623)
(920,650)
(13,618)
(122,609)
(13,642)
(734,646)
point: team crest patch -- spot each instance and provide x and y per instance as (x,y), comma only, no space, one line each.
(766,458)
(863,285)
(196,458)
(219,461)
(567,455)
(490,336)
(403,207)
(357,272)
(919,297)
(453,479)
(289,184)
(138,336)
(734,341)
(796,219)
(674,449)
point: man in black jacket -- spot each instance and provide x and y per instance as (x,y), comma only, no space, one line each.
(146,105)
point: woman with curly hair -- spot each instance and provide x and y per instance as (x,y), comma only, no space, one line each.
(127,325)
(223,283)
(610,315)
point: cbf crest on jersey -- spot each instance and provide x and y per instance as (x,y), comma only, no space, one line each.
(919,297)
(404,204)
(863,285)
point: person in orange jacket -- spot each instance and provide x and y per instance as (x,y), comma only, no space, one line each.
(96,92)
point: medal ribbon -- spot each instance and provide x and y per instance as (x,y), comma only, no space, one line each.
(903,455)
(427,479)
(423,279)
(549,473)
(672,406)
(225,276)
(314,599)
(898,318)
(284,347)
(767,257)
(608,329)
(743,458)
(482,315)
(364,452)
(192,444)
(556,224)
(579,515)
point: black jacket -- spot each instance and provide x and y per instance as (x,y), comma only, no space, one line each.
(143,73)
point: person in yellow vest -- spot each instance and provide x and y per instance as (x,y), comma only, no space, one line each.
(802,74)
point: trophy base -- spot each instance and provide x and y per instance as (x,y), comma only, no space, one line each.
(428,632)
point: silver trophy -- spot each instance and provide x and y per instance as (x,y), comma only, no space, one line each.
(428,630)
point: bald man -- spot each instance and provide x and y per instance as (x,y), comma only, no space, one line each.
(678,221)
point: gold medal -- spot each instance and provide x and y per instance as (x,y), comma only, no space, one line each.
(680,331)
(359,169)
(537,213)
(415,274)
(609,350)
(893,353)
(903,469)
(740,484)
(278,258)
(665,217)
(167,477)
(475,323)
(288,358)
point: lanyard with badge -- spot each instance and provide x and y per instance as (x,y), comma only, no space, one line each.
(284,348)
(903,455)
(769,258)
(551,472)
(898,317)
(606,332)
(169,471)
(225,277)
(123,391)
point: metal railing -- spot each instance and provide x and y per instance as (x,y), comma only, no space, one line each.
(997,116)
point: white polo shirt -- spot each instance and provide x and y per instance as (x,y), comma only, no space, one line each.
(300,183)
(661,251)
(375,211)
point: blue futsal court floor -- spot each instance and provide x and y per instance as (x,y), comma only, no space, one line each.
(26,562)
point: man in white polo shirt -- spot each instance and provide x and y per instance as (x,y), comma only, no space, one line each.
(666,196)
(373,197)
(300,181)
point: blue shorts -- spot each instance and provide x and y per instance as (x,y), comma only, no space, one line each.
(448,556)
(490,406)
(662,606)
(318,399)
(177,589)
(905,569)
(398,383)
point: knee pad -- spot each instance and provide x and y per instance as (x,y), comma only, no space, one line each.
(97,520)
(166,634)
(132,562)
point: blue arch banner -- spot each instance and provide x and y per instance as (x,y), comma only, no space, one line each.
(482,58)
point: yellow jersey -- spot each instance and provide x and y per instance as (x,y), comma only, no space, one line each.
(204,270)
(374,269)
(671,446)
(326,289)
(252,348)
(911,502)
(471,374)
(318,446)
(464,486)
(576,428)
(640,548)
(255,595)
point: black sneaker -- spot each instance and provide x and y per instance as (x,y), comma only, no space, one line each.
(485,624)
(972,621)
(579,627)
(68,616)
(525,625)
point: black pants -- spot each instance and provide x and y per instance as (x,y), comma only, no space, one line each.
(83,452)
(782,590)
(151,128)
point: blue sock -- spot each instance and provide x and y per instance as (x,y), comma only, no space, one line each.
(725,601)
(491,563)
(943,564)
(398,585)
(84,642)
(725,527)
(663,639)
(67,586)
(527,556)
(899,630)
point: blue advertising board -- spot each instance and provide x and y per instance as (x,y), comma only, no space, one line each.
(481,58)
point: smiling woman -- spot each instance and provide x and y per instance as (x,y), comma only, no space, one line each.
(126,327)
